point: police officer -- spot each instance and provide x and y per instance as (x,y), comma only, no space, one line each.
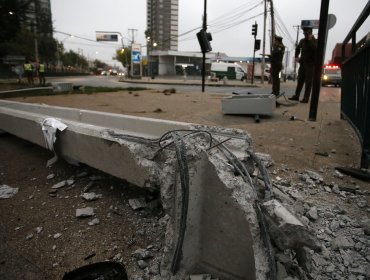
(28,70)
(41,73)
(307,49)
(277,55)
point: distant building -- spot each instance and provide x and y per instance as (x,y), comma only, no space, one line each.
(162,24)
(37,16)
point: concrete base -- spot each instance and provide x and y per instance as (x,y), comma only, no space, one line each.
(252,104)
(221,231)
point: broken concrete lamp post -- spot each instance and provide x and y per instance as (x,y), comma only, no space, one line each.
(215,223)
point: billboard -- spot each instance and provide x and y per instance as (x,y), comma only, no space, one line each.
(106,37)
(136,53)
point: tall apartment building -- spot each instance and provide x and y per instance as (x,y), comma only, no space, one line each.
(162,23)
(39,16)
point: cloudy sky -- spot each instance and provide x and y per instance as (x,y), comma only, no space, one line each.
(229,21)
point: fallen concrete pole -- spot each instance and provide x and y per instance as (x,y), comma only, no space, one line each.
(214,222)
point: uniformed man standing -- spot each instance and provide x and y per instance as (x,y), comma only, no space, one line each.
(307,49)
(28,70)
(277,55)
(41,73)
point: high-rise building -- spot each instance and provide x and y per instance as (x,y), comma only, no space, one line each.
(162,24)
(38,16)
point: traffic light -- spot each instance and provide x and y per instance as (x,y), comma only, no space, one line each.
(254,29)
(204,39)
(257,45)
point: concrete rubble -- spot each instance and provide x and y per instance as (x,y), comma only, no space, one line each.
(220,218)
(7,191)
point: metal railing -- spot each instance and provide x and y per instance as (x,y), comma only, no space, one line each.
(355,97)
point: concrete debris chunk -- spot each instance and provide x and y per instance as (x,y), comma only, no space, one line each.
(342,242)
(338,174)
(266,159)
(38,230)
(60,185)
(85,212)
(314,176)
(91,196)
(142,264)
(365,224)
(312,213)
(285,229)
(7,192)
(29,237)
(50,176)
(137,203)
(201,277)
(57,235)
(94,222)
(142,254)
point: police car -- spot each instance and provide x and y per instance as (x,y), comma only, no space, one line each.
(331,75)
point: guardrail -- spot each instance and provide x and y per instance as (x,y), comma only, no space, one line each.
(355,98)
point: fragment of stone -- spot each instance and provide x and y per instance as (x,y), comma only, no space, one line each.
(137,203)
(142,254)
(266,159)
(85,212)
(91,196)
(142,264)
(285,229)
(7,191)
(94,222)
(57,235)
(50,176)
(60,185)
(342,242)
(201,277)
(314,176)
(365,224)
(312,213)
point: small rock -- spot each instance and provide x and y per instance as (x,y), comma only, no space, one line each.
(30,236)
(137,203)
(94,222)
(314,176)
(54,247)
(38,230)
(59,185)
(85,212)
(7,192)
(50,176)
(90,196)
(57,235)
(336,189)
(312,213)
(142,254)
(342,242)
(334,225)
(142,264)
(338,174)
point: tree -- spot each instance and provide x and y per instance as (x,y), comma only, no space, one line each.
(73,59)
(124,56)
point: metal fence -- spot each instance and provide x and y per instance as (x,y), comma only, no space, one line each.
(355,98)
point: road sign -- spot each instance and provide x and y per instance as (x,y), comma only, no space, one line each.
(310,23)
(106,37)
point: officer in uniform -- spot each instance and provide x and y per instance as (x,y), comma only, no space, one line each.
(277,55)
(307,49)
(29,72)
(41,73)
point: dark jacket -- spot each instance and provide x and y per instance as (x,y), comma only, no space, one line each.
(277,54)
(307,49)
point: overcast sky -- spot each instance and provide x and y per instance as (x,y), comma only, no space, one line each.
(230,22)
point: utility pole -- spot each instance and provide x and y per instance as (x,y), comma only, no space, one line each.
(264,45)
(296,44)
(204,53)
